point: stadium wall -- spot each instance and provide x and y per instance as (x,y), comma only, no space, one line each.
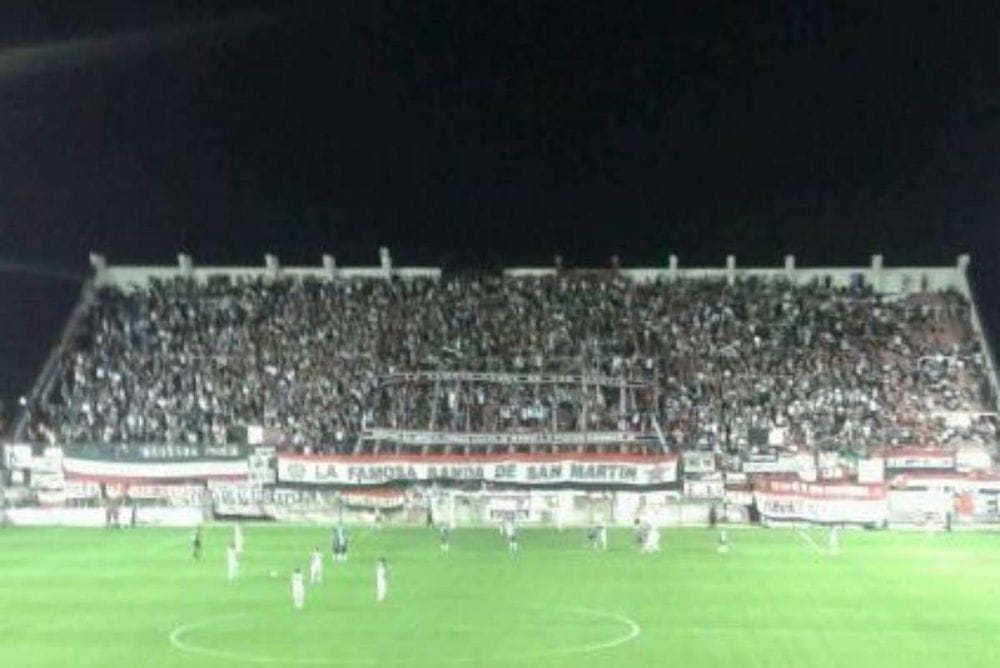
(97,517)
(885,280)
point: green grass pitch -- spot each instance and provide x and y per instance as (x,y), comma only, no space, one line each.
(77,597)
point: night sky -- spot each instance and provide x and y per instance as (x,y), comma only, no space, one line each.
(470,135)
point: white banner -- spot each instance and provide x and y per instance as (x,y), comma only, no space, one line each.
(421,437)
(238,498)
(871,470)
(807,509)
(738,497)
(914,506)
(259,464)
(366,499)
(973,458)
(512,378)
(50,480)
(816,502)
(176,494)
(51,497)
(17,456)
(82,490)
(533,470)
(919,459)
(704,489)
(699,462)
(803,463)
(110,470)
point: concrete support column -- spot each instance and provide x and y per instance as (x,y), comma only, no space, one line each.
(877,272)
(185,264)
(330,266)
(790,268)
(100,266)
(385,260)
(272,265)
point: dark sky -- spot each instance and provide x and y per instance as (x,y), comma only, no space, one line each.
(507,133)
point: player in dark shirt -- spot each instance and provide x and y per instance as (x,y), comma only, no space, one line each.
(445,538)
(339,544)
(196,544)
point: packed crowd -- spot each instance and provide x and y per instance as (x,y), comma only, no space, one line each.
(705,364)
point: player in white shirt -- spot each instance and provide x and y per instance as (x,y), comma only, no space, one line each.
(298,590)
(238,539)
(723,547)
(512,544)
(232,562)
(315,567)
(652,540)
(381,579)
(834,540)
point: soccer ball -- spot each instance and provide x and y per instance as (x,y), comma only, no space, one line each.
(274,573)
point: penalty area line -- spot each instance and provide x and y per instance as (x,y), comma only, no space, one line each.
(807,538)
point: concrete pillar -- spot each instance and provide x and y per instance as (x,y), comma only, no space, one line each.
(962,267)
(272,265)
(730,269)
(877,272)
(330,265)
(99,263)
(672,268)
(185,264)
(385,260)
(790,268)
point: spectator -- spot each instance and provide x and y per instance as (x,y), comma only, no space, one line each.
(714,366)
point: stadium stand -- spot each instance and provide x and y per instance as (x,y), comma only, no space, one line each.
(728,360)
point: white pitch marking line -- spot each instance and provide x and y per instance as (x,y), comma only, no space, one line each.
(807,538)
(176,639)
(632,634)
